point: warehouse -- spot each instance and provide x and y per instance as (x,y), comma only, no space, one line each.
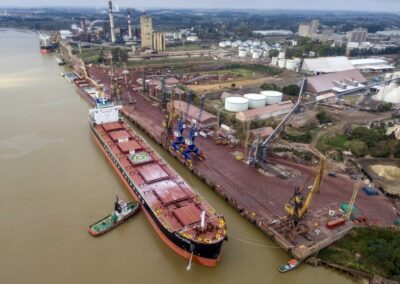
(323,65)
(265,112)
(372,65)
(335,81)
(206,119)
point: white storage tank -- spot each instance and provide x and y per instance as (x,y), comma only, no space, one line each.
(256,100)
(222,44)
(272,97)
(228,43)
(274,61)
(242,52)
(292,64)
(236,104)
(256,54)
(282,63)
(281,55)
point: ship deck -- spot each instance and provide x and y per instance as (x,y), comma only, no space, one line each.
(175,204)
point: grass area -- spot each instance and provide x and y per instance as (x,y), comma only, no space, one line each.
(296,135)
(242,72)
(370,249)
(327,143)
(186,47)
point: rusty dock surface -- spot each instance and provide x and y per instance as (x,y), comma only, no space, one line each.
(258,197)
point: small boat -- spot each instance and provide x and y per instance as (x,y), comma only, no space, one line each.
(122,212)
(290,265)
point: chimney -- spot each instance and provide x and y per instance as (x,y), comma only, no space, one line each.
(129,25)
(110,13)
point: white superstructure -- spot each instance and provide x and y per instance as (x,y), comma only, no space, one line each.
(104,112)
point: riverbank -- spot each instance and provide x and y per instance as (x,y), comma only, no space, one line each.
(370,250)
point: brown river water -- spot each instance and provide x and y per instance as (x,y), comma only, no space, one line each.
(54,182)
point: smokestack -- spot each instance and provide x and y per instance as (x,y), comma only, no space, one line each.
(129,25)
(110,13)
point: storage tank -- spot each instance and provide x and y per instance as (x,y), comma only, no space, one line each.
(256,100)
(236,104)
(228,43)
(281,55)
(274,61)
(256,54)
(222,44)
(282,63)
(292,64)
(242,52)
(272,97)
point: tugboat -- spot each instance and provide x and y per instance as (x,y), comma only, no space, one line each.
(290,265)
(122,212)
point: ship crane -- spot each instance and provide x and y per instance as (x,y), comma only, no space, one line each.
(191,147)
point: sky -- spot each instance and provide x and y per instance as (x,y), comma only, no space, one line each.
(355,5)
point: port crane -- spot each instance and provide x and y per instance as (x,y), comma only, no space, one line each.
(191,147)
(298,205)
(259,151)
(179,141)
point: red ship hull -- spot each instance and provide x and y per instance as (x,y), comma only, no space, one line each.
(182,251)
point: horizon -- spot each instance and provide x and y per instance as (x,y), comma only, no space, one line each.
(372,6)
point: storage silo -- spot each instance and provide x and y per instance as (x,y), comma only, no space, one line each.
(236,104)
(292,64)
(242,52)
(256,100)
(282,63)
(281,55)
(272,97)
(228,43)
(256,54)
(222,44)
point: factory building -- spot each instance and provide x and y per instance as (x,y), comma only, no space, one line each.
(158,41)
(146,31)
(338,82)
(265,112)
(357,35)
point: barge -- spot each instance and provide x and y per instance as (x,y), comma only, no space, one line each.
(180,216)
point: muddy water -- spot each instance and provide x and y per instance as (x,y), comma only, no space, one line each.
(54,182)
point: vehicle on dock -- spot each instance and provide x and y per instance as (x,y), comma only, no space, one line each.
(180,216)
(122,212)
(290,265)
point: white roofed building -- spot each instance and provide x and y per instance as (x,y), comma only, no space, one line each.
(323,65)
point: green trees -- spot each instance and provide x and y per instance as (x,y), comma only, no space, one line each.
(291,90)
(323,117)
(119,55)
(269,86)
(273,53)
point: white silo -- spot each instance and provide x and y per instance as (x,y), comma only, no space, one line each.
(272,97)
(292,64)
(236,104)
(281,55)
(242,52)
(256,100)
(222,44)
(274,61)
(228,43)
(256,54)
(282,63)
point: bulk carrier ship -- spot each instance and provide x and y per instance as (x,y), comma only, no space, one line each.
(180,216)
